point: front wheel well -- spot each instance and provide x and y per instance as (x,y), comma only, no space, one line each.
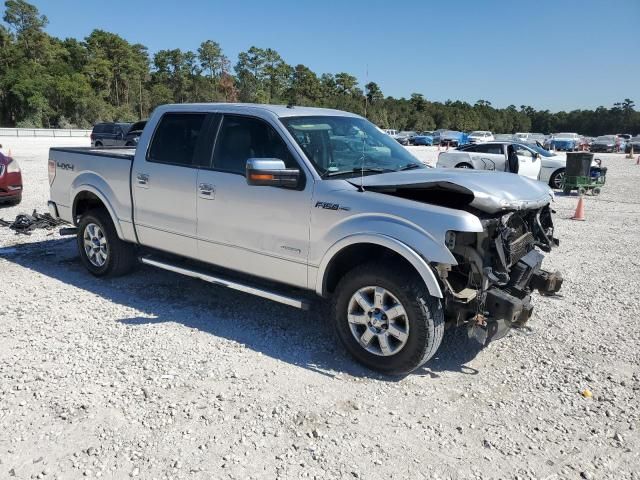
(84,202)
(354,255)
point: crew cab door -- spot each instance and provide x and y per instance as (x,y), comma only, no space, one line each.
(164,181)
(258,230)
(528,164)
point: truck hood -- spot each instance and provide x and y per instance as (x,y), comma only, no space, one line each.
(486,191)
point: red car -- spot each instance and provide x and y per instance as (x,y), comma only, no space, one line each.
(10,181)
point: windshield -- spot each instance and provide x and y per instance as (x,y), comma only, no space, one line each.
(477,134)
(348,145)
(566,135)
(606,138)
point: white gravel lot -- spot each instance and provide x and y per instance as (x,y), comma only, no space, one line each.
(158,376)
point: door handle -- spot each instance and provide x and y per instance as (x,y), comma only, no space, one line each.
(206,190)
(142,178)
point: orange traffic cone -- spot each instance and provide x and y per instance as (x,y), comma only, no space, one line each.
(579,215)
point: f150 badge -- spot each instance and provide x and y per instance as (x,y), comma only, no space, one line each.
(331,206)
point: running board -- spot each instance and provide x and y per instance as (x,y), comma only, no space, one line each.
(259,292)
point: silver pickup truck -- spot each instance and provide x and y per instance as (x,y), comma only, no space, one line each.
(282,201)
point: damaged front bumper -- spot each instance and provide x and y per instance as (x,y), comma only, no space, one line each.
(489,291)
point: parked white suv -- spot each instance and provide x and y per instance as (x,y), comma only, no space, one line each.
(480,136)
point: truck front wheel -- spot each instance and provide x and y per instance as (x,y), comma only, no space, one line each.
(386,318)
(101,251)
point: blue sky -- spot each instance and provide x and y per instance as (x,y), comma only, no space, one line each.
(558,54)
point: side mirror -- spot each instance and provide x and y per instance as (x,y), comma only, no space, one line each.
(271,172)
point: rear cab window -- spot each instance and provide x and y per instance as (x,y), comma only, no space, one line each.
(179,140)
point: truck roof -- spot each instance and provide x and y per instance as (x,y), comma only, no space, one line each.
(256,108)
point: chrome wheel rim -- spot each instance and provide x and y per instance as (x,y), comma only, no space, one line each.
(378,321)
(95,245)
(558,181)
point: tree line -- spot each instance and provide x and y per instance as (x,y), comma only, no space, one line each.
(50,82)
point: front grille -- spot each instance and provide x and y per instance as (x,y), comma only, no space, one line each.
(519,247)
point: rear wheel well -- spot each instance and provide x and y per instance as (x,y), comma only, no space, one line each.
(84,202)
(354,255)
(464,165)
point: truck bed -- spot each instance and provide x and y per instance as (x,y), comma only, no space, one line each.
(105,172)
(126,153)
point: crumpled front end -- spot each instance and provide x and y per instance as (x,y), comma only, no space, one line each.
(489,291)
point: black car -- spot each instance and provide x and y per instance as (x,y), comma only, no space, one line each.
(131,139)
(109,134)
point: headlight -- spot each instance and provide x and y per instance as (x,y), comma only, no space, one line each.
(13,167)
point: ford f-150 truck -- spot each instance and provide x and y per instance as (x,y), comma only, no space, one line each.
(282,202)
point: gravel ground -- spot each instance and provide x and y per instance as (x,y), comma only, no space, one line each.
(158,376)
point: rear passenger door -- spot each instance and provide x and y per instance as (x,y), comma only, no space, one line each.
(489,156)
(164,183)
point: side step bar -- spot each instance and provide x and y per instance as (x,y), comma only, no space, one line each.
(259,292)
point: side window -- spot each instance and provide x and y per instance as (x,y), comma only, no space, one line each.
(471,149)
(175,139)
(99,128)
(110,129)
(242,138)
(523,152)
(492,148)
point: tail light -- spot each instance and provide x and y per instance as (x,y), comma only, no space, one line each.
(52,170)
(92,136)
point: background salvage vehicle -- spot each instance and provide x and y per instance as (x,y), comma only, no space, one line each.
(567,142)
(109,134)
(480,136)
(633,143)
(605,143)
(267,200)
(10,180)
(497,156)
(424,138)
(133,135)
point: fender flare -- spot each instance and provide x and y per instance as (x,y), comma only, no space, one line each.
(409,254)
(93,190)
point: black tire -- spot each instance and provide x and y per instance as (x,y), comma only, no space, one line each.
(555,181)
(98,144)
(120,255)
(424,316)
(13,202)
(464,165)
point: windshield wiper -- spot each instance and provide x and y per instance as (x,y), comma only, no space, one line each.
(356,170)
(409,166)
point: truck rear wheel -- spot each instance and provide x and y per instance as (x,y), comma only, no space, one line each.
(386,318)
(101,251)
